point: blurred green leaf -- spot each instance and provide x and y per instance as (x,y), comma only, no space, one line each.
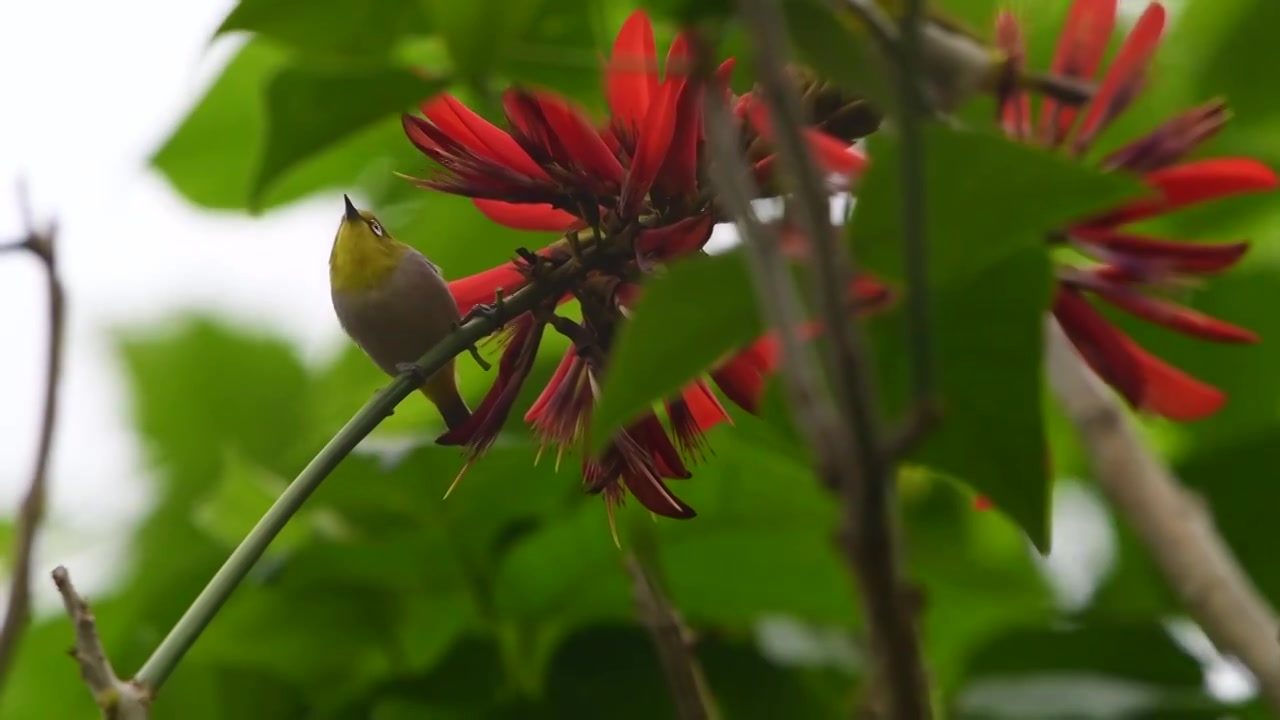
(310,110)
(241,497)
(687,319)
(214,157)
(336,29)
(1134,651)
(991,205)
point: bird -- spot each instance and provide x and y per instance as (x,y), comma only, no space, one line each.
(394,304)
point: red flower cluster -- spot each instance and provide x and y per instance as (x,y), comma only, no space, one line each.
(640,172)
(1130,265)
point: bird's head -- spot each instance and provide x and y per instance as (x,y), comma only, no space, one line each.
(360,227)
(364,253)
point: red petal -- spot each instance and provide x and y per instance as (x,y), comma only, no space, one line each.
(1194,182)
(540,217)
(631,78)
(741,380)
(651,148)
(481,136)
(1124,77)
(650,435)
(1015,108)
(581,141)
(482,428)
(678,177)
(655,496)
(1079,54)
(835,156)
(1172,393)
(1175,255)
(535,410)
(703,405)
(481,288)
(677,239)
(1172,316)
(1102,346)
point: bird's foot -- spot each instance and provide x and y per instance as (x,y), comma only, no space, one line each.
(413,370)
(495,312)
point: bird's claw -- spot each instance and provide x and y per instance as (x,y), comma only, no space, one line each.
(495,312)
(413,370)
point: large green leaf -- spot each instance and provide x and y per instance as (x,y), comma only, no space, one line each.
(694,314)
(331,29)
(215,157)
(990,205)
(309,111)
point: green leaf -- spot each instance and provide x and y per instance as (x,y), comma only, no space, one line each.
(534,42)
(310,110)
(689,318)
(333,29)
(991,204)
(213,158)
(241,497)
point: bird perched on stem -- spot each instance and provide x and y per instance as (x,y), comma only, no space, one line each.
(395,304)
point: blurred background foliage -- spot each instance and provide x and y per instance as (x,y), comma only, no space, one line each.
(509,600)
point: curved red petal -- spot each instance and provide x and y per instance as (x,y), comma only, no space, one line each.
(1171,393)
(741,382)
(651,148)
(535,410)
(1194,182)
(1124,78)
(704,406)
(1102,346)
(481,136)
(1081,46)
(581,141)
(650,491)
(1172,316)
(652,438)
(1176,255)
(835,156)
(631,77)
(540,217)
(481,288)
(677,239)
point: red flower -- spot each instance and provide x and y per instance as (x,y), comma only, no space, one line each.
(1130,265)
(637,178)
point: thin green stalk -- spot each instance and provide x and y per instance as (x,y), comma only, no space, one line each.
(206,605)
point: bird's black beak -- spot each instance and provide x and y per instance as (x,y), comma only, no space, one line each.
(352,212)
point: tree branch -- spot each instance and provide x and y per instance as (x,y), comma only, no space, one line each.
(672,640)
(118,699)
(193,622)
(859,468)
(32,510)
(1172,523)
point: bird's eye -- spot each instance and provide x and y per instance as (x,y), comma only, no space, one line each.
(376,227)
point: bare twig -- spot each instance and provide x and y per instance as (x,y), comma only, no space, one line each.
(1172,523)
(118,699)
(858,467)
(673,641)
(31,512)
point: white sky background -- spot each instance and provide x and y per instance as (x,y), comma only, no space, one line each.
(86,102)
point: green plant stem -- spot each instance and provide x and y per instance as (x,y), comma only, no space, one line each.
(210,600)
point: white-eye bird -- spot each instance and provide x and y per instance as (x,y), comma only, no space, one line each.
(395,304)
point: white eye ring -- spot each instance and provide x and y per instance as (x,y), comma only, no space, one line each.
(376,227)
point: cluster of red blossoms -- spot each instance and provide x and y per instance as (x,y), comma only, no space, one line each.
(1128,266)
(639,176)
(638,179)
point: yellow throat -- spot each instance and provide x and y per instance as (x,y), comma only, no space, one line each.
(364,255)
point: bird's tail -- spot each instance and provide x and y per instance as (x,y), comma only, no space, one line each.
(442,390)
